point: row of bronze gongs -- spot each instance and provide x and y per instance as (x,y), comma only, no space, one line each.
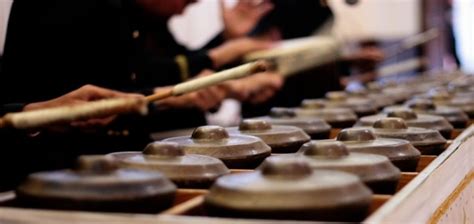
(129,181)
(179,160)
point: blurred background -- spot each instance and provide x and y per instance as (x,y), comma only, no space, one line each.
(383,21)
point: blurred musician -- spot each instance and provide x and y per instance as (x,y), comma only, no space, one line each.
(302,18)
(55,46)
(224,50)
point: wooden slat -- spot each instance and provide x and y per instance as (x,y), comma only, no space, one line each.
(240,171)
(27,216)
(334,132)
(195,205)
(183,195)
(405,178)
(425,160)
(185,208)
(377,201)
(456,133)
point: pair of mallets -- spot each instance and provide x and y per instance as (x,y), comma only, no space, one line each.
(108,107)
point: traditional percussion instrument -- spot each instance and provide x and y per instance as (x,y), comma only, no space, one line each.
(185,170)
(98,185)
(443,97)
(361,106)
(399,93)
(400,152)
(287,188)
(413,120)
(380,99)
(427,141)
(315,127)
(336,117)
(235,150)
(466,104)
(455,116)
(376,171)
(281,138)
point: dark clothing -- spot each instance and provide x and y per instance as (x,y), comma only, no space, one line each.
(12,107)
(66,44)
(56,46)
(161,44)
(13,168)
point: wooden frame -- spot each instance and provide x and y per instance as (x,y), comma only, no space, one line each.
(432,193)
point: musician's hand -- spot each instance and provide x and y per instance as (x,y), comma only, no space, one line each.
(266,86)
(255,88)
(234,50)
(204,99)
(243,17)
(84,94)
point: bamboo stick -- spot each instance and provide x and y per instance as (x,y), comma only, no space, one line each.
(200,83)
(96,109)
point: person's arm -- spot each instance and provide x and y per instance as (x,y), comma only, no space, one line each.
(234,50)
(204,99)
(256,88)
(82,95)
